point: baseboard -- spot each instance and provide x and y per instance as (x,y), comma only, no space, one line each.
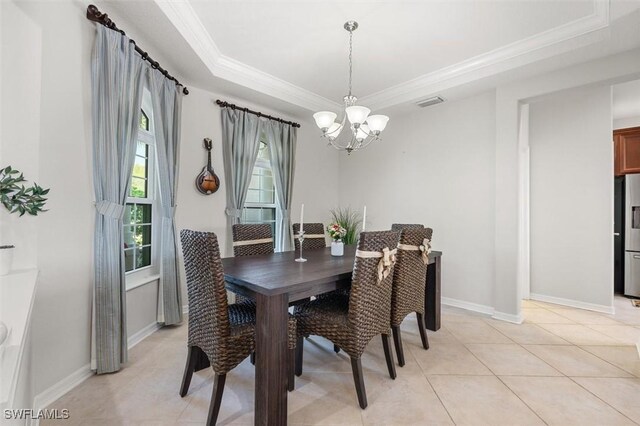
(573,303)
(502,316)
(53,393)
(469,306)
(143,334)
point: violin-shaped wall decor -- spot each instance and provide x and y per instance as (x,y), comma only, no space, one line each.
(207,182)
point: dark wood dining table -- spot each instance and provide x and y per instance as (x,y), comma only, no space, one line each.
(276,280)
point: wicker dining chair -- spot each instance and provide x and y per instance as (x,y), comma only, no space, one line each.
(313,236)
(409,279)
(400,226)
(351,322)
(251,240)
(221,333)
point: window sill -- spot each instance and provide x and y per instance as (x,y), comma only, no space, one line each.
(133,282)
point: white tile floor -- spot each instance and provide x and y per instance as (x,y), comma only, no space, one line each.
(562,366)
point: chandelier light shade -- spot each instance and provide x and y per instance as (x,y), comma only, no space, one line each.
(324,119)
(364,128)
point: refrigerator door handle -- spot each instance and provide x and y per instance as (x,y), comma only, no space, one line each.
(636,256)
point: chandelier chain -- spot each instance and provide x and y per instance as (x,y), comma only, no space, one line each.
(350,59)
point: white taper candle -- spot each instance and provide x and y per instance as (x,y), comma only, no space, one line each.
(364,219)
(302,218)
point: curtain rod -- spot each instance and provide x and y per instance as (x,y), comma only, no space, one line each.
(93,14)
(224,104)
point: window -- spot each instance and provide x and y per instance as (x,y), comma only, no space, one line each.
(260,205)
(138,216)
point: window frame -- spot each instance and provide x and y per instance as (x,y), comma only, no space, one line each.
(264,164)
(147,137)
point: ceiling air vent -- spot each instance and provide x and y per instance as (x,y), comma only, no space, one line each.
(430,101)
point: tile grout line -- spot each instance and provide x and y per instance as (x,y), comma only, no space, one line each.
(518,396)
(608,362)
(603,401)
(498,377)
(424,374)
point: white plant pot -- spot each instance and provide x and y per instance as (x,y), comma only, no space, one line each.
(6,259)
(337,248)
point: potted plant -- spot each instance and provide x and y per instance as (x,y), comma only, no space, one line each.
(337,233)
(17,198)
(350,221)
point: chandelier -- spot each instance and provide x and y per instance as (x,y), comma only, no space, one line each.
(364,128)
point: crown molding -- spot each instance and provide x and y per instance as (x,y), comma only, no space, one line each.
(185,19)
(537,47)
(577,33)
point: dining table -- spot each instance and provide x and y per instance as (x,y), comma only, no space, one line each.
(275,281)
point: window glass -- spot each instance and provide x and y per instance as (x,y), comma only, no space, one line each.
(260,205)
(137,221)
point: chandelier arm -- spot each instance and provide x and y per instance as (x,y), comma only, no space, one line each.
(339,129)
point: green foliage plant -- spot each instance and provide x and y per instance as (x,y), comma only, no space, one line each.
(20,199)
(350,220)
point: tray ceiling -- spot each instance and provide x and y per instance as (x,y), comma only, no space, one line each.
(297,51)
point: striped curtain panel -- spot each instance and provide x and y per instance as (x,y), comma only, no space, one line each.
(240,145)
(117,77)
(167,112)
(282,148)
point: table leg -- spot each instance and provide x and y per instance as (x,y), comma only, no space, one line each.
(432,296)
(272,356)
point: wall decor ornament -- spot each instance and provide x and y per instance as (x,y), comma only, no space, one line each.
(207,182)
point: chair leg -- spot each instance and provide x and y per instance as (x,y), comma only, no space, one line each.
(299,352)
(189,368)
(397,340)
(356,366)
(291,369)
(423,330)
(252,358)
(216,399)
(388,354)
(336,349)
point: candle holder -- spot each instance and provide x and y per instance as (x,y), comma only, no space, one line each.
(301,240)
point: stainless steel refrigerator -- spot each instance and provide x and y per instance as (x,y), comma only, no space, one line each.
(632,235)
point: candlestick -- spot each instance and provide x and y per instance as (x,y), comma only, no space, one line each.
(302,219)
(301,241)
(364,219)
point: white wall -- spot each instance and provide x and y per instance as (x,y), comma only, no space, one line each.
(20,122)
(53,145)
(315,182)
(572,196)
(436,167)
(509,241)
(624,123)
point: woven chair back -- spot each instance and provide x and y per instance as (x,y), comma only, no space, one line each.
(370,299)
(252,232)
(208,314)
(310,229)
(409,276)
(401,226)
